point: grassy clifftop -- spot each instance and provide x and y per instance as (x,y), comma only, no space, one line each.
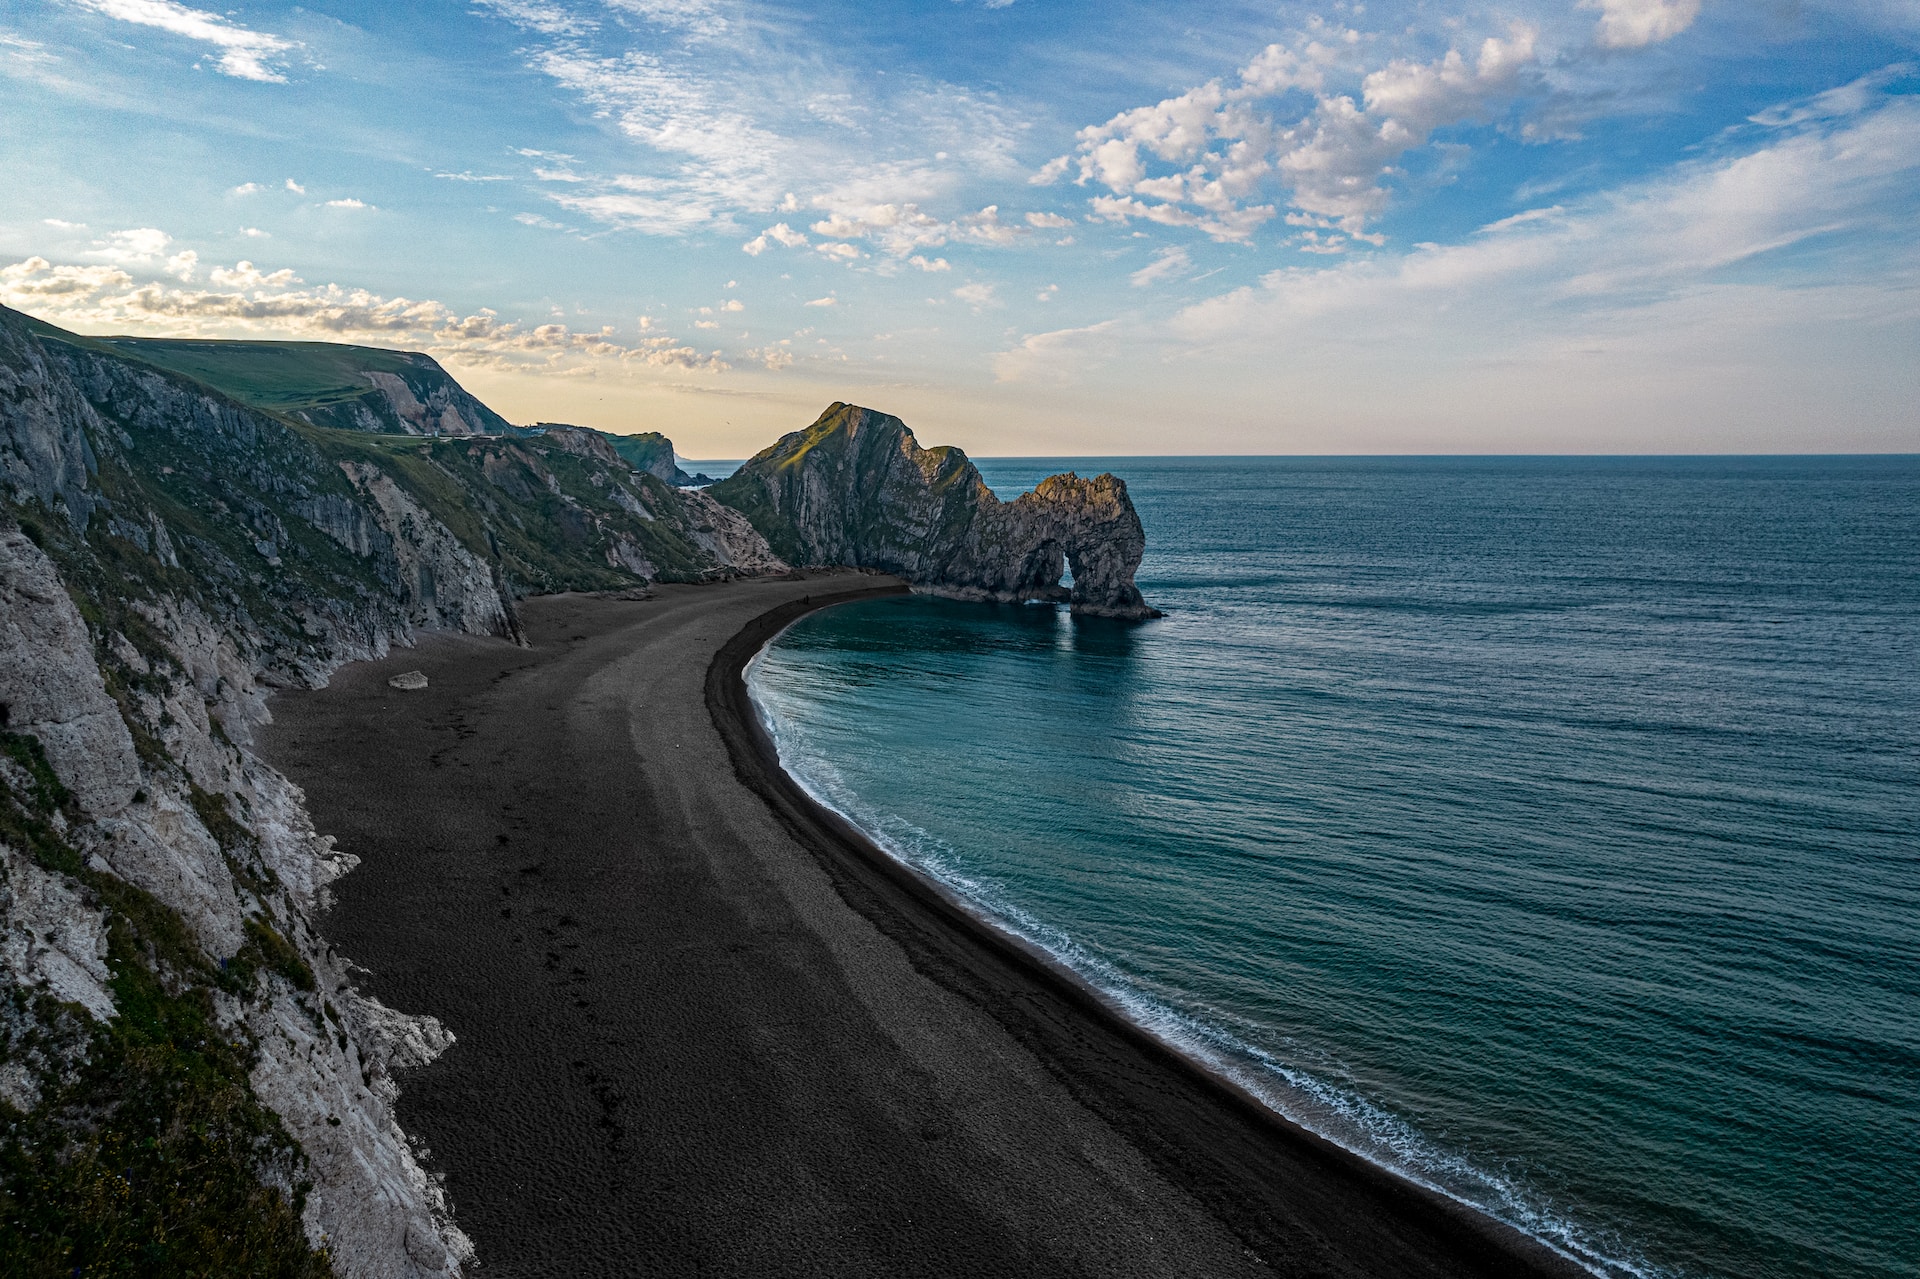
(325,383)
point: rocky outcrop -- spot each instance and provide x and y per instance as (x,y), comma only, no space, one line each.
(856,489)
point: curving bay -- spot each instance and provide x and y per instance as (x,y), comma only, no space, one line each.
(1543,827)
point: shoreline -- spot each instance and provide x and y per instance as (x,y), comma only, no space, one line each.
(698,1028)
(841,844)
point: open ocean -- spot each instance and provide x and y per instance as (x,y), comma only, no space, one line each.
(1545,828)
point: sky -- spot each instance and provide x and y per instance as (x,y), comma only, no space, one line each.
(1029,227)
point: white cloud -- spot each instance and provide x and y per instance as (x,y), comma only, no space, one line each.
(1632,24)
(243,53)
(1048,221)
(654,215)
(899,229)
(294,187)
(467,175)
(733,304)
(1846,100)
(729,160)
(977,295)
(929,264)
(244,275)
(248,300)
(1052,171)
(536,15)
(348,202)
(1204,158)
(145,247)
(778,233)
(696,17)
(255,233)
(247,188)
(773,358)
(726,129)
(1166,264)
(61,224)
(35,280)
(829,300)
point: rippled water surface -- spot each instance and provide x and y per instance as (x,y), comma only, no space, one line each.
(1546,828)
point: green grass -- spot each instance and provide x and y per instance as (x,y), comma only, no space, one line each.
(279,377)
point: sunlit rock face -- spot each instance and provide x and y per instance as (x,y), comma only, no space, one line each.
(856,488)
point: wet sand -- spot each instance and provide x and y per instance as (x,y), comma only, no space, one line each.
(704,1027)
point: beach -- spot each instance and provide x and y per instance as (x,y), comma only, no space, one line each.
(704,1026)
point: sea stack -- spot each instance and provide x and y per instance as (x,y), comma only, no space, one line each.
(856,489)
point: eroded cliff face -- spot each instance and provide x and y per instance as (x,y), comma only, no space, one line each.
(167,556)
(167,1003)
(856,489)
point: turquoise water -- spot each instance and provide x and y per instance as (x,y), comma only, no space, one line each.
(1548,829)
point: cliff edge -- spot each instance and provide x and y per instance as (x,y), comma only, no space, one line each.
(856,489)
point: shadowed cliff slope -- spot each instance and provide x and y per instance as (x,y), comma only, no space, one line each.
(856,488)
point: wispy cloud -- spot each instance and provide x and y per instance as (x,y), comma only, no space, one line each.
(1166,264)
(1613,273)
(242,53)
(726,129)
(1060,355)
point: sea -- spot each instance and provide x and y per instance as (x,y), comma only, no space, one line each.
(1545,829)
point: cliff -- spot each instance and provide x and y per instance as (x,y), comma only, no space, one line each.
(188,1078)
(856,488)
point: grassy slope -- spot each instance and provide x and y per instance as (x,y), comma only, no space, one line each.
(279,377)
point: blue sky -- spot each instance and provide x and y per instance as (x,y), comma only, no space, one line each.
(1031,227)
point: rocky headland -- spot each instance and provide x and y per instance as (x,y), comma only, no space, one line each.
(856,489)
